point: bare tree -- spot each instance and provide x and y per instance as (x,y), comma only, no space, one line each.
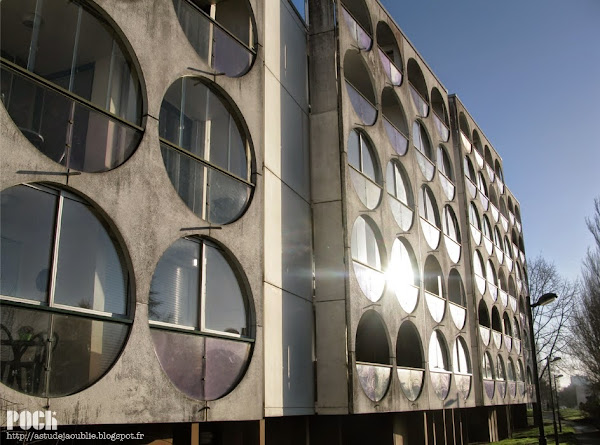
(551,322)
(586,320)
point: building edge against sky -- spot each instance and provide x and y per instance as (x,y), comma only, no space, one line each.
(221,223)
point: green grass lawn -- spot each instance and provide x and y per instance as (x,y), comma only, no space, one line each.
(529,436)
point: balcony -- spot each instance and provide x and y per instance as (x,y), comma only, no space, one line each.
(471,187)
(362,37)
(426,165)
(374,379)
(368,191)
(225,52)
(411,381)
(463,384)
(489,386)
(436,306)
(512,388)
(365,110)
(488,244)
(497,337)
(521,388)
(392,72)
(440,380)
(508,342)
(465,142)
(476,234)
(485,334)
(398,140)
(478,159)
(441,128)
(480,282)
(459,315)
(495,212)
(447,185)
(453,248)
(501,385)
(420,103)
(431,233)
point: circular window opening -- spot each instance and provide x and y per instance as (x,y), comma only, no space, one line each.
(409,360)
(389,53)
(433,283)
(358,20)
(394,121)
(65,299)
(400,194)
(462,367)
(439,365)
(430,217)
(458,301)
(403,275)
(205,150)
(488,375)
(451,234)
(360,87)
(200,318)
(440,115)
(373,356)
(222,33)
(364,171)
(70,84)
(418,88)
(366,257)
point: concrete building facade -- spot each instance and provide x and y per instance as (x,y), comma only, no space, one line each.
(229,222)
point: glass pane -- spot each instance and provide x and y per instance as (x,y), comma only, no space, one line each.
(23,351)
(438,357)
(196,103)
(374,380)
(397,139)
(91,272)
(226,363)
(441,383)
(230,57)
(368,164)
(27,233)
(196,27)
(411,382)
(227,197)
(187,176)
(181,357)
(365,110)
(174,292)
(370,281)
(354,150)
(170,114)
(82,351)
(224,305)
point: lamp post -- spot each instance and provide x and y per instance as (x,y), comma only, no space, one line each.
(537,408)
(557,403)
(548,361)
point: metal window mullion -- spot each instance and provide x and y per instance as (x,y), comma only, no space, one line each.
(202,289)
(75,50)
(110,75)
(55,250)
(35,33)
(206,154)
(211,34)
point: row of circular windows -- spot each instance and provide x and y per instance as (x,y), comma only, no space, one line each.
(401,276)
(67,302)
(508,380)
(374,368)
(502,331)
(82,108)
(358,23)
(478,190)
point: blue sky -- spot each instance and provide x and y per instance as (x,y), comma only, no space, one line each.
(529,73)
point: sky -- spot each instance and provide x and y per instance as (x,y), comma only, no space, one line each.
(528,71)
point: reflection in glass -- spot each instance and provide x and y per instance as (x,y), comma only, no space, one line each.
(420,104)
(367,260)
(402,276)
(392,72)
(374,380)
(398,140)
(400,193)
(365,110)
(411,381)
(365,170)
(359,34)
(441,383)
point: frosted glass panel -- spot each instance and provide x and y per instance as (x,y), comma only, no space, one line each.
(374,380)
(411,381)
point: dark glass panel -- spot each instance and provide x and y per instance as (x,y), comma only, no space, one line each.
(181,357)
(27,232)
(230,57)
(224,306)
(227,197)
(187,176)
(225,364)
(174,292)
(196,27)
(91,273)
(24,353)
(82,351)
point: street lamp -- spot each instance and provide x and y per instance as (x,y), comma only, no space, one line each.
(548,361)
(557,403)
(537,408)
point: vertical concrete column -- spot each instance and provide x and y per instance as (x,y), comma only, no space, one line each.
(400,430)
